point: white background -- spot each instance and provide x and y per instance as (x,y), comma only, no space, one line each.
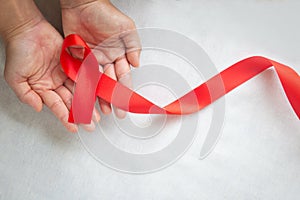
(257,157)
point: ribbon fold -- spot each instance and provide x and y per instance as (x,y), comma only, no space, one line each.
(90,83)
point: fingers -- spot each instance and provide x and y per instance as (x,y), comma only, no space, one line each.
(104,106)
(109,50)
(117,71)
(69,84)
(134,58)
(67,95)
(58,77)
(96,118)
(96,115)
(27,95)
(100,56)
(122,50)
(133,47)
(109,71)
(122,69)
(77,52)
(56,104)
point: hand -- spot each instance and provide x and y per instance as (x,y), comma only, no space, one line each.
(110,33)
(33,70)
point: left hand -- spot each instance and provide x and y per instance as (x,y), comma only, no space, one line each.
(33,71)
(111,34)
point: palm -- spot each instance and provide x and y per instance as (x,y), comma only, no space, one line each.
(33,70)
(95,22)
(42,61)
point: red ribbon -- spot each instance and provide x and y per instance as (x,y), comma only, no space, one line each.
(90,83)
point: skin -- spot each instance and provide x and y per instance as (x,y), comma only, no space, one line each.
(111,33)
(32,67)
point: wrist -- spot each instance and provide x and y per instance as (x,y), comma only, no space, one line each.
(17,16)
(65,4)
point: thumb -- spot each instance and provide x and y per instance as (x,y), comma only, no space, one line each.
(133,47)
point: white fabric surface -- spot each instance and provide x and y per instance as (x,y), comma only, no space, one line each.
(257,157)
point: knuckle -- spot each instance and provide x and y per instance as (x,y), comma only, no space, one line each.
(63,118)
(122,73)
(131,23)
(56,104)
(23,97)
(69,103)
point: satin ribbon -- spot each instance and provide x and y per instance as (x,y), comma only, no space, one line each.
(90,83)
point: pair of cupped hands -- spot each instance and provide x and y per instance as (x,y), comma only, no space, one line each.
(33,67)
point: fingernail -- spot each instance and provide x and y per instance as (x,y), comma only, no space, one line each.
(89,127)
(72,128)
(106,109)
(96,116)
(121,114)
(138,59)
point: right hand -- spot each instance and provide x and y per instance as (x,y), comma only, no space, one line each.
(111,34)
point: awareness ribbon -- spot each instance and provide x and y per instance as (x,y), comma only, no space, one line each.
(90,83)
